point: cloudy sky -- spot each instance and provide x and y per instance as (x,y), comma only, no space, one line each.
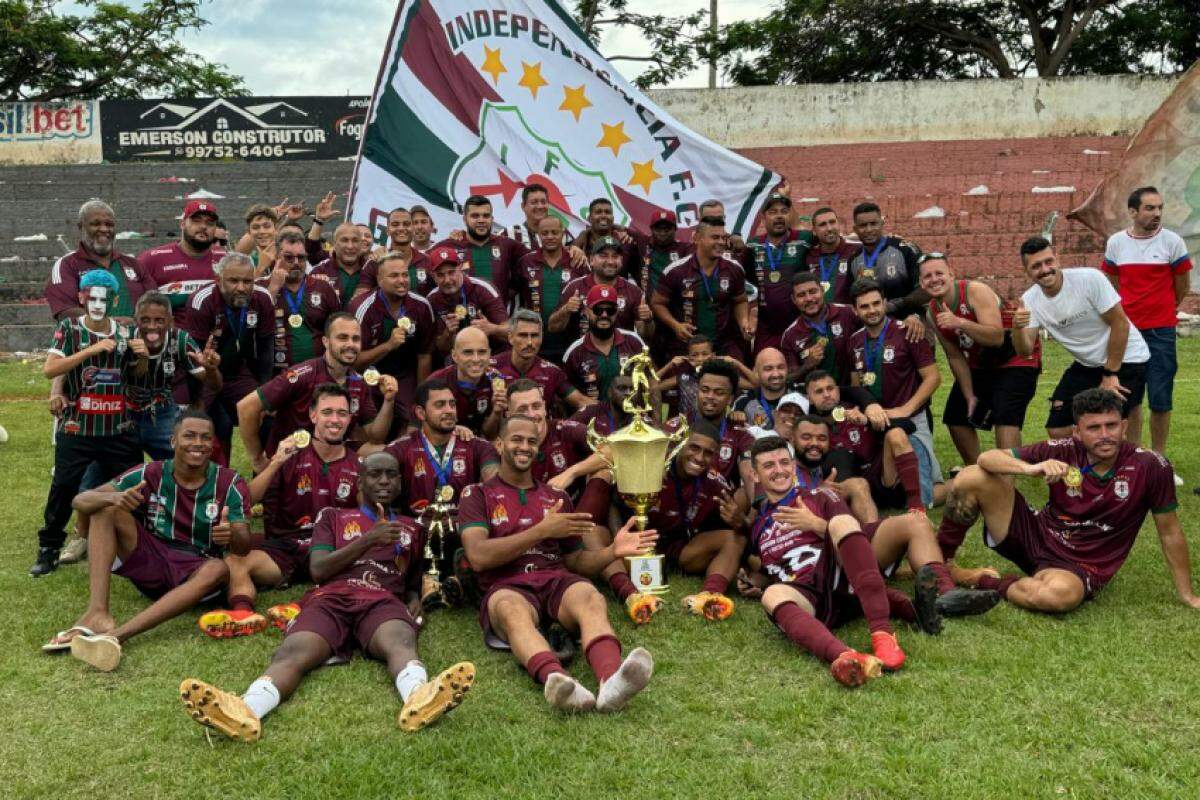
(304,47)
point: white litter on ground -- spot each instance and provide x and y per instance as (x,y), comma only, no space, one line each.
(977,190)
(809,200)
(1041,172)
(1052,189)
(1089,152)
(130,235)
(10,259)
(932,212)
(204,194)
(37,237)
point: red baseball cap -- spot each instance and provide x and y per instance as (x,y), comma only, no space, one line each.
(443,255)
(601,293)
(200,207)
(662,216)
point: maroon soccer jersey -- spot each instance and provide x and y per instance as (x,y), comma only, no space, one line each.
(629,297)
(893,360)
(473,403)
(178,275)
(62,290)
(244,338)
(860,440)
(833,269)
(733,448)
(343,282)
(478,298)
(705,301)
(648,262)
(791,555)
(460,463)
(1095,525)
(771,267)
(834,325)
(504,510)
(302,486)
(538,285)
(312,303)
(290,394)
(687,506)
(378,317)
(420,276)
(565,444)
(592,371)
(494,261)
(554,382)
(606,419)
(393,567)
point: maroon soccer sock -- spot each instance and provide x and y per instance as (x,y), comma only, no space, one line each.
(862,570)
(715,583)
(1000,584)
(542,665)
(950,535)
(241,602)
(900,605)
(604,656)
(910,478)
(596,497)
(944,582)
(621,585)
(806,631)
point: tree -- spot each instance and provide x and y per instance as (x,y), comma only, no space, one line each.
(676,43)
(829,41)
(110,50)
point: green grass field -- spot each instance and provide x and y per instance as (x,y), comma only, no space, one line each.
(1101,703)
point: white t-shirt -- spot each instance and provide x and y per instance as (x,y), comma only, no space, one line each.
(1072,317)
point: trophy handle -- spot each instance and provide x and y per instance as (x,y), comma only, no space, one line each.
(676,442)
(598,443)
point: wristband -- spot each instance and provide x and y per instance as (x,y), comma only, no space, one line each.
(1109,373)
(317,220)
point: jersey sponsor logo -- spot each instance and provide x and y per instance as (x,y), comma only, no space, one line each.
(351,532)
(91,376)
(100,404)
(1121,488)
(499,515)
(304,485)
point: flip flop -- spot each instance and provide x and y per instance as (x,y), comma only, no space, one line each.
(61,642)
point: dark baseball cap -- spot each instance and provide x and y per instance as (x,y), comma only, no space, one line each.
(605,243)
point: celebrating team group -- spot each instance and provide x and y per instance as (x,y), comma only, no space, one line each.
(417,414)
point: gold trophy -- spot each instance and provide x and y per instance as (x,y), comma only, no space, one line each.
(438,525)
(639,456)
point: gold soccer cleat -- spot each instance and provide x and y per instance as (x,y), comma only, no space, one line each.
(710,605)
(228,624)
(642,607)
(219,710)
(432,699)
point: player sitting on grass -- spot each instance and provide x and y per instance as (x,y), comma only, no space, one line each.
(524,543)
(1101,488)
(164,526)
(367,565)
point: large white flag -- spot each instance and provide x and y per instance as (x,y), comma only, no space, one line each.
(486,96)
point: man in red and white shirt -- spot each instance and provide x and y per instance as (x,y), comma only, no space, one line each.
(1149,265)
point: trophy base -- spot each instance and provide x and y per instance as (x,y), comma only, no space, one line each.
(647,573)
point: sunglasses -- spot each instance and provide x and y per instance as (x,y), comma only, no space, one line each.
(604,310)
(292,258)
(934,256)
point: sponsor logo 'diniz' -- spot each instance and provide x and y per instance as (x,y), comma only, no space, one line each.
(243,128)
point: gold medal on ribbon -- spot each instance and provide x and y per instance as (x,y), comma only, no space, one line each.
(460,312)
(839,414)
(295,320)
(1074,478)
(405,324)
(445,494)
(825,286)
(371,376)
(301,439)
(774,276)
(868,378)
(498,385)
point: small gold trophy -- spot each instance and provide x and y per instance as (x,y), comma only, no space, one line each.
(639,455)
(438,524)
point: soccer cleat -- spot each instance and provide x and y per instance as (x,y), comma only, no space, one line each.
(74,551)
(853,668)
(562,644)
(101,650)
(228,624)
(642,607)
(220,710)
(710,605)
(887,650)
(925,601)
(281,615)
(629,679)
(47,562)
(433,699)
(567,694)
(967,602)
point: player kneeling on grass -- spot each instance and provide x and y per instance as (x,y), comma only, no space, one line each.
(164,526)
(525,545)
(822,571)
(691,533)
(368,569)
(1101,488)
(296,485)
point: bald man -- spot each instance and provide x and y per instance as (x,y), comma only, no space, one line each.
(770,377)
(344,267)
(479,391)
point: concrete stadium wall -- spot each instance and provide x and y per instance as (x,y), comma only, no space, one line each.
(907,111)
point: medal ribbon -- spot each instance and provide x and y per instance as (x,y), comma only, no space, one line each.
(766,406)
(294,302)
(766,515)
(440,468)
(869,260)
(873,348)
(808,478)
(827,269)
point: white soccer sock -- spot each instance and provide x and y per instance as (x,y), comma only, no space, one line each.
(262,697)
(412,676)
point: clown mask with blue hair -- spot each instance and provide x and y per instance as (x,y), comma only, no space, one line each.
(97,292)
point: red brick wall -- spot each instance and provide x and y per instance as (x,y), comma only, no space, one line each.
(981,234)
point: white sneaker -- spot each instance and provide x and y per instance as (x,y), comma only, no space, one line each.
(1178,480)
